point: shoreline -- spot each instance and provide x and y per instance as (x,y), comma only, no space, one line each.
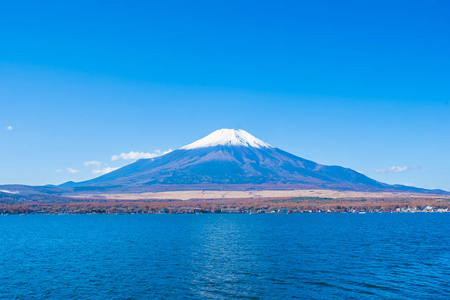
(225,207)
(233,213)
(252,202)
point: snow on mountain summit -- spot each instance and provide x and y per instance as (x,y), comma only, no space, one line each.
(228,137)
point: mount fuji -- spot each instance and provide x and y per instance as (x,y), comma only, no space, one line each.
(231,159)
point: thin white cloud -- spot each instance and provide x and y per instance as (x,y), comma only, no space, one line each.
(94,163)
(139,155)
(9,128)
(395,169)
(104,171)
(58,171)
(73,171)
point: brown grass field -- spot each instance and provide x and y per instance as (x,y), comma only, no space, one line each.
(264,194)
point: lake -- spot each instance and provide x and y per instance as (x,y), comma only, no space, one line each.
(226,256)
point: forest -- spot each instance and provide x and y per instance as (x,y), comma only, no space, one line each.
(14,204)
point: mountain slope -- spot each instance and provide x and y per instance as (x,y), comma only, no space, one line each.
(231,159)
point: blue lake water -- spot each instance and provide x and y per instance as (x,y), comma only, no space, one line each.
(272,256)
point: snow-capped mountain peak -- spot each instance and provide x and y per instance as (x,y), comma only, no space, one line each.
(228,137)
(231,159)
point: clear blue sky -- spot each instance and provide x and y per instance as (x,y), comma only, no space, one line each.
(362,84)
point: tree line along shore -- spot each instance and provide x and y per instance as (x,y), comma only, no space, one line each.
(252,206)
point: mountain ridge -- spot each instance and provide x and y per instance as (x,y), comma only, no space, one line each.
(232,159)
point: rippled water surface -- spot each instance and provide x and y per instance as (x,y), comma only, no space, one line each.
(272,256)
